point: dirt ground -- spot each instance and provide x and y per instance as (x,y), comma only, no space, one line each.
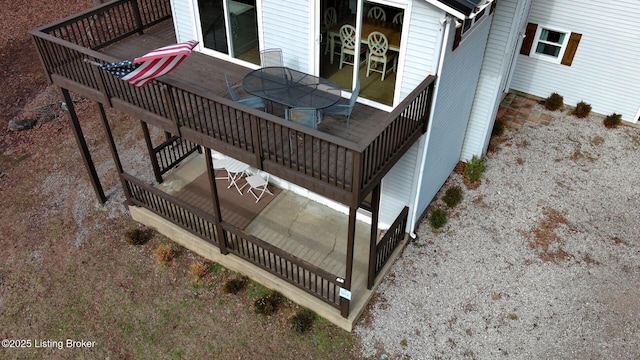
(67,271)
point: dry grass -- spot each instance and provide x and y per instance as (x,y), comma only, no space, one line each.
(164,254)
(198,269)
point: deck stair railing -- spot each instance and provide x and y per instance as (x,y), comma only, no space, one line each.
(387,245)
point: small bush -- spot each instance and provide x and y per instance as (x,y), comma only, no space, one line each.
(438,218)
(452,196)
(198,269)
(137,236)
(612,121)
(233,286)
(498,128)
(268,304)
(474,168)
(302,320)
(582,110)
(554,102)
(164,253)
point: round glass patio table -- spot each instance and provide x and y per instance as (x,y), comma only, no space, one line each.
(291,88)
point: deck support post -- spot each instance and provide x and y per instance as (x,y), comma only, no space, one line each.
(222,241)
(351,234)
(114,150)
(152,155)
(373,241)
(82,145)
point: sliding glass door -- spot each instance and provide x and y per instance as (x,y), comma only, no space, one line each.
(346,50)
(230,27)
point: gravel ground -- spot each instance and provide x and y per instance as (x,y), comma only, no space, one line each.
(542,261)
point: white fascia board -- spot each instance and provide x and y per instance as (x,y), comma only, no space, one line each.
(447,9)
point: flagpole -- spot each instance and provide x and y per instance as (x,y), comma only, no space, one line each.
(92,62)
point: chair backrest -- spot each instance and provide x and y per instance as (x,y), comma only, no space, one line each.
(354,95)
(233,94)
(378,43)
(398,18)
(271,57)
(377,13)
(330,17)
(348,36)
(303,116)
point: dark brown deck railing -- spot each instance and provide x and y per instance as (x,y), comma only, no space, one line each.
(186,216)
(338,167)
(294,270)
(171,152)
(387,245)
(334,167)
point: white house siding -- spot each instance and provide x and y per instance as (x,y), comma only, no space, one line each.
(604,72)
(397,188)
(183,20)
(423,45)
(508,19)
(286,26)
(455,94)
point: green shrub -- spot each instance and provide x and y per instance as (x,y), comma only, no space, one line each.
(438,218)
(452,196)
(302,320)
(498,128)
(137,236)
(612,121)
(233,286)
(554,102)
(474,168)
(582,110)
(268,304)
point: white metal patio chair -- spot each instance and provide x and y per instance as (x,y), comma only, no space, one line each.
(258,185)
(379,54)
(219,165)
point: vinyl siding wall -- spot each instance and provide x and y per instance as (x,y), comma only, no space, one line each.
(183,20)
(423,45)
(604,72)
(508,19)
(286,25)
(455,95)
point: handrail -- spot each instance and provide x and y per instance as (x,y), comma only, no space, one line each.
(355,167)
(266,256)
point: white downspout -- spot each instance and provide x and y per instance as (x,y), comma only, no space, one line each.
(420,172)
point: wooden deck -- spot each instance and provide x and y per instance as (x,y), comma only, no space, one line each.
(193,105)
(205,74)
(301,227)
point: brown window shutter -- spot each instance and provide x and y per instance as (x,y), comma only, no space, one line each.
(529,35)
(456,40)
(570,51)
(493,6)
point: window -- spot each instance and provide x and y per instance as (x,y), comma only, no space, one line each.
(463,27)
(549,44)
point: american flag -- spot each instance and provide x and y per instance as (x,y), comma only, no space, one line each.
(141,70)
